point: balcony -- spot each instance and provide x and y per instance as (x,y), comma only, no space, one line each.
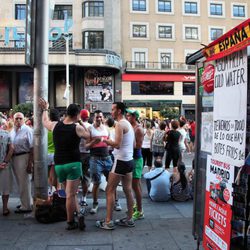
(135,66)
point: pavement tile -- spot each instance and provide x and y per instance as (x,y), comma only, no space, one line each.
(81,247)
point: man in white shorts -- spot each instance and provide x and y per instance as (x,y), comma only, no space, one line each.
(122,169)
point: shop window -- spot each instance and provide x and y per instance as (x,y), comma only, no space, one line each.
(215,33)
(5,89)
(20,11)
(25,91)
(190,8)
(165,6)
(188,88)
(93,40)
(165,32)
(152,88)
(191,33)
(239,10)
(139,5)
(139,30)
(61,11)
(216,9)
(93,9)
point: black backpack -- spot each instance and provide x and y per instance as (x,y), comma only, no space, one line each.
(54,212)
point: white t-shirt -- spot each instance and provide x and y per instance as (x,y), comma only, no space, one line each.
(160,186)
(182,139)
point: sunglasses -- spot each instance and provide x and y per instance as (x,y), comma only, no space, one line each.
(18,118)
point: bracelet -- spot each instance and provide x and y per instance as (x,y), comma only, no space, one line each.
(45,109)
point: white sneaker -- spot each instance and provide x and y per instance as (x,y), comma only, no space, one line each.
(94,209)
(117,206)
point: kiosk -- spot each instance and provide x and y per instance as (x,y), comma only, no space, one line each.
(222,158)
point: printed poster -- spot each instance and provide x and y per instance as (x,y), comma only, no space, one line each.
(230,102)
(218,201)
(206,131)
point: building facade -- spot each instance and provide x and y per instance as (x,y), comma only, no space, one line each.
(131,50)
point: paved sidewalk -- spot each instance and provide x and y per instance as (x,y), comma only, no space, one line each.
(167,226)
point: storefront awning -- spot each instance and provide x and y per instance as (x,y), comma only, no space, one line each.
(158,78)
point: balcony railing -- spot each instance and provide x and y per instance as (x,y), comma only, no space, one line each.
(158,66)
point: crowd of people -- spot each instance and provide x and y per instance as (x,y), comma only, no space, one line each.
(122,147)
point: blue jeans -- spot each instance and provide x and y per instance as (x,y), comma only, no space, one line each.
(98,166)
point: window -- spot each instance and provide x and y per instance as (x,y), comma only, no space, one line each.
(190,8)
(93,9)
(152,88)
(140,59)
(139,5)
(239,10)
(165,32)
(20,43)
(164,6)
(93,40)
(188,88)
(165,60)
(216,9)
(61,11)
(60,42)
(191,33)
(139,30)
(20,11)
(215,33)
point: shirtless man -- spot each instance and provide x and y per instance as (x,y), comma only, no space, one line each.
(122,169)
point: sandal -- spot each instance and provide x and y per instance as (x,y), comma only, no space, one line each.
(6,212)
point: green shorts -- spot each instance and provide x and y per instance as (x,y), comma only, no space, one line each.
(137,172)
(70,171)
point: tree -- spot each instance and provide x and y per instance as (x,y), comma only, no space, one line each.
(25,108)
(170,112)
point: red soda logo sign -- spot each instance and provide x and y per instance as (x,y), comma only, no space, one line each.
(226,194)
(207,78)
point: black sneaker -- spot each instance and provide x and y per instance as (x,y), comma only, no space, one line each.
(71,225)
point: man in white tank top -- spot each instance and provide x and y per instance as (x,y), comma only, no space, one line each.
(122,169)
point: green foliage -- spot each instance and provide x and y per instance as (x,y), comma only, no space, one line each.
(170,112)
(25,108)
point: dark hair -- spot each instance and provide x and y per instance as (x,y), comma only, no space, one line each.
(162,125)
(54,115)
(121,106)
(174,124)
(98,111)
(73,110)
(182,123)
(110,122)
(181,168)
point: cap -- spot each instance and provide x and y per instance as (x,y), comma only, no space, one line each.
(133,112)
(84,113)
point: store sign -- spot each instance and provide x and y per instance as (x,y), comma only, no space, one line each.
(113,60)
(207,78)
(218,201)
(234,40)
(230,102)
(16,33)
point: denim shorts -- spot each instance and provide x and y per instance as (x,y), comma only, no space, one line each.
(98,166)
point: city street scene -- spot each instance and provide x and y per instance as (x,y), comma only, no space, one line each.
(125,124)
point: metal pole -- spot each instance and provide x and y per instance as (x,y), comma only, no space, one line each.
(41,90)
(67,69)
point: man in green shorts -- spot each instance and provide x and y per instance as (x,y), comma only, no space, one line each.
(132,116)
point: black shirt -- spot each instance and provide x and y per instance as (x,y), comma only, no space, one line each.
(66,143)
(173,139)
